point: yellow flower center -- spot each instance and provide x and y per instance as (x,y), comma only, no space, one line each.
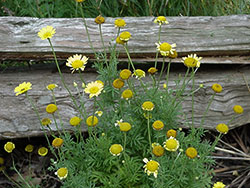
(116,149)
(139,73)
(161,18)
(99,20)
(158,125)
(92,121)
(222,128)
(191,152)
(94,90)
(77,64)
(74,121)
(46,121)
(152,166)
(62,173)
(172,133)
(152,70)
(51,86)
(158,150)
(9,146)
(47,35)
(148,106)
(118,83)
(125,36)
(120,22)
(173,55)
(126,94)
(42,151)
(219,185)
(29,148)
(165,47)
(124,126)
(190,62)
(217,88)
(171,144)
(238,109)
(57,142)
(51,108)
(125,74)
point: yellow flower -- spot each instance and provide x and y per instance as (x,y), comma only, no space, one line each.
(171,133)
(151,167)
(222,128)
(57,142)
(124,126)
(46,32)
(99,113)
(120,22)
(42,151)
(191,152)
(152,70)
(125,36)
(165,48)
(217,88)
(238,109)
(99,19)
(192,60)
(29,148)
(118,83)
(219,185)
(2,168)
(22,88)
(79,1)
(158,125)
(171,144)
(158,150)
(1,160)
(77,62)
(74,121)
(127,94)
(51,108)
(125,74)
(148,106)
(92,121)
(116,149)
(62,173)
(119,41)
(174,55)
(51,87)
(161,20)
(9,147)
(164,86)
(93,89)
(46,121)
(139,73)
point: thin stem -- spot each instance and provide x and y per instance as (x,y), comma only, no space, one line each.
(11,180)
(81,77)
(63,81)
(168,70)
(149,135)
(124,144)
(157,52)
(103,46)
(193,82)
(130,61)
(86,28)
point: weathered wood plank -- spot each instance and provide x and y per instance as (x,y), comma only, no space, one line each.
(207,36)
(17,119)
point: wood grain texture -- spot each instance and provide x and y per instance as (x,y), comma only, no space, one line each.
(17,119)
(206,36)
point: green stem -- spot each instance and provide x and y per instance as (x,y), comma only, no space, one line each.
(81,77)
(149,134)
(159,79)
(130,61)
(157,52)
(54,118)
(62,79)
(11,180)
(124,144)
(20,176)
(168,70)
(87,31)
(105,53)
(193,82)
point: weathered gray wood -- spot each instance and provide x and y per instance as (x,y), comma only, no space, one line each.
(206,36)
(17,119)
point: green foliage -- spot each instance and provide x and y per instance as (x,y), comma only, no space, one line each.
(92,8)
